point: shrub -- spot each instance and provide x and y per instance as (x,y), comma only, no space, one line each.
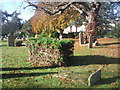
(19,43)
(52,34)
(48,51)
(71,35)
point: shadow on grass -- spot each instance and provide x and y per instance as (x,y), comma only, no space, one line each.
(111,43)
(24,68)
(107,80)
(75,61)
(17,75)
(92,59)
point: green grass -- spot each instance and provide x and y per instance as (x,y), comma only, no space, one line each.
(19,73)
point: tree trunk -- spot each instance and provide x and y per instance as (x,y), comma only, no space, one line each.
(91,27)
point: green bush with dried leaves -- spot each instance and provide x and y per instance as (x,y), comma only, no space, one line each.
(50,52)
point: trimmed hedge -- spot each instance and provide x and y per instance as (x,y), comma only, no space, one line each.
(50,52)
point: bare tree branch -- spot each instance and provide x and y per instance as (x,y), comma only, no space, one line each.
(81,7)
(79,10)
(84,4)
(58,11)
(31,4)
(62,4)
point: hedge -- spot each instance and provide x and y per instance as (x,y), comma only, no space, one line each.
(50,52)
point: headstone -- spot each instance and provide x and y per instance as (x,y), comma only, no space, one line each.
(95,43)
(90,42)
(84,78)
(81,40)
(94,77)
(23,38)
(11,40)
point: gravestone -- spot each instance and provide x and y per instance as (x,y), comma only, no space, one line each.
(90,42)
(81,40)
(95,43)
(84,78)
(94,77)
(11,40)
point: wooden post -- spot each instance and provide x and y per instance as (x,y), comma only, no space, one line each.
(81,41)
(90,41)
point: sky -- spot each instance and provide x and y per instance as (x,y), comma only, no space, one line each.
(12,5)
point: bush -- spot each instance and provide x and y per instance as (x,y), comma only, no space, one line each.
(49,34)
(71,35)
(48,51)
(19,43)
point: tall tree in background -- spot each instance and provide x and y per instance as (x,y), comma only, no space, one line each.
(109,15)
(11,22)
(27,28)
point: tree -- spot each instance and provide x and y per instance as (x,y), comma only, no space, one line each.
(115,33)
(60,22)
(109,14)
(89,10)
(11,23)
(42,22)
(27,28)
(38,22)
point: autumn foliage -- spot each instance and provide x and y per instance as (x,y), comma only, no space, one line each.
(43,22)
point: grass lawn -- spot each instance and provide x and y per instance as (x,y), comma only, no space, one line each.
(17,72)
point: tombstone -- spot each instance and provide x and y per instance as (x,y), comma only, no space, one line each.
(81,40)
(90,41)
(11,40)
(94,77)
(95,43)
(86,79)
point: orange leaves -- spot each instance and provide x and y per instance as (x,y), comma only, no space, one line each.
(38,22)
(43,22)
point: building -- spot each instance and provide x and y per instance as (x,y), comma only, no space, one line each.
(74,28)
